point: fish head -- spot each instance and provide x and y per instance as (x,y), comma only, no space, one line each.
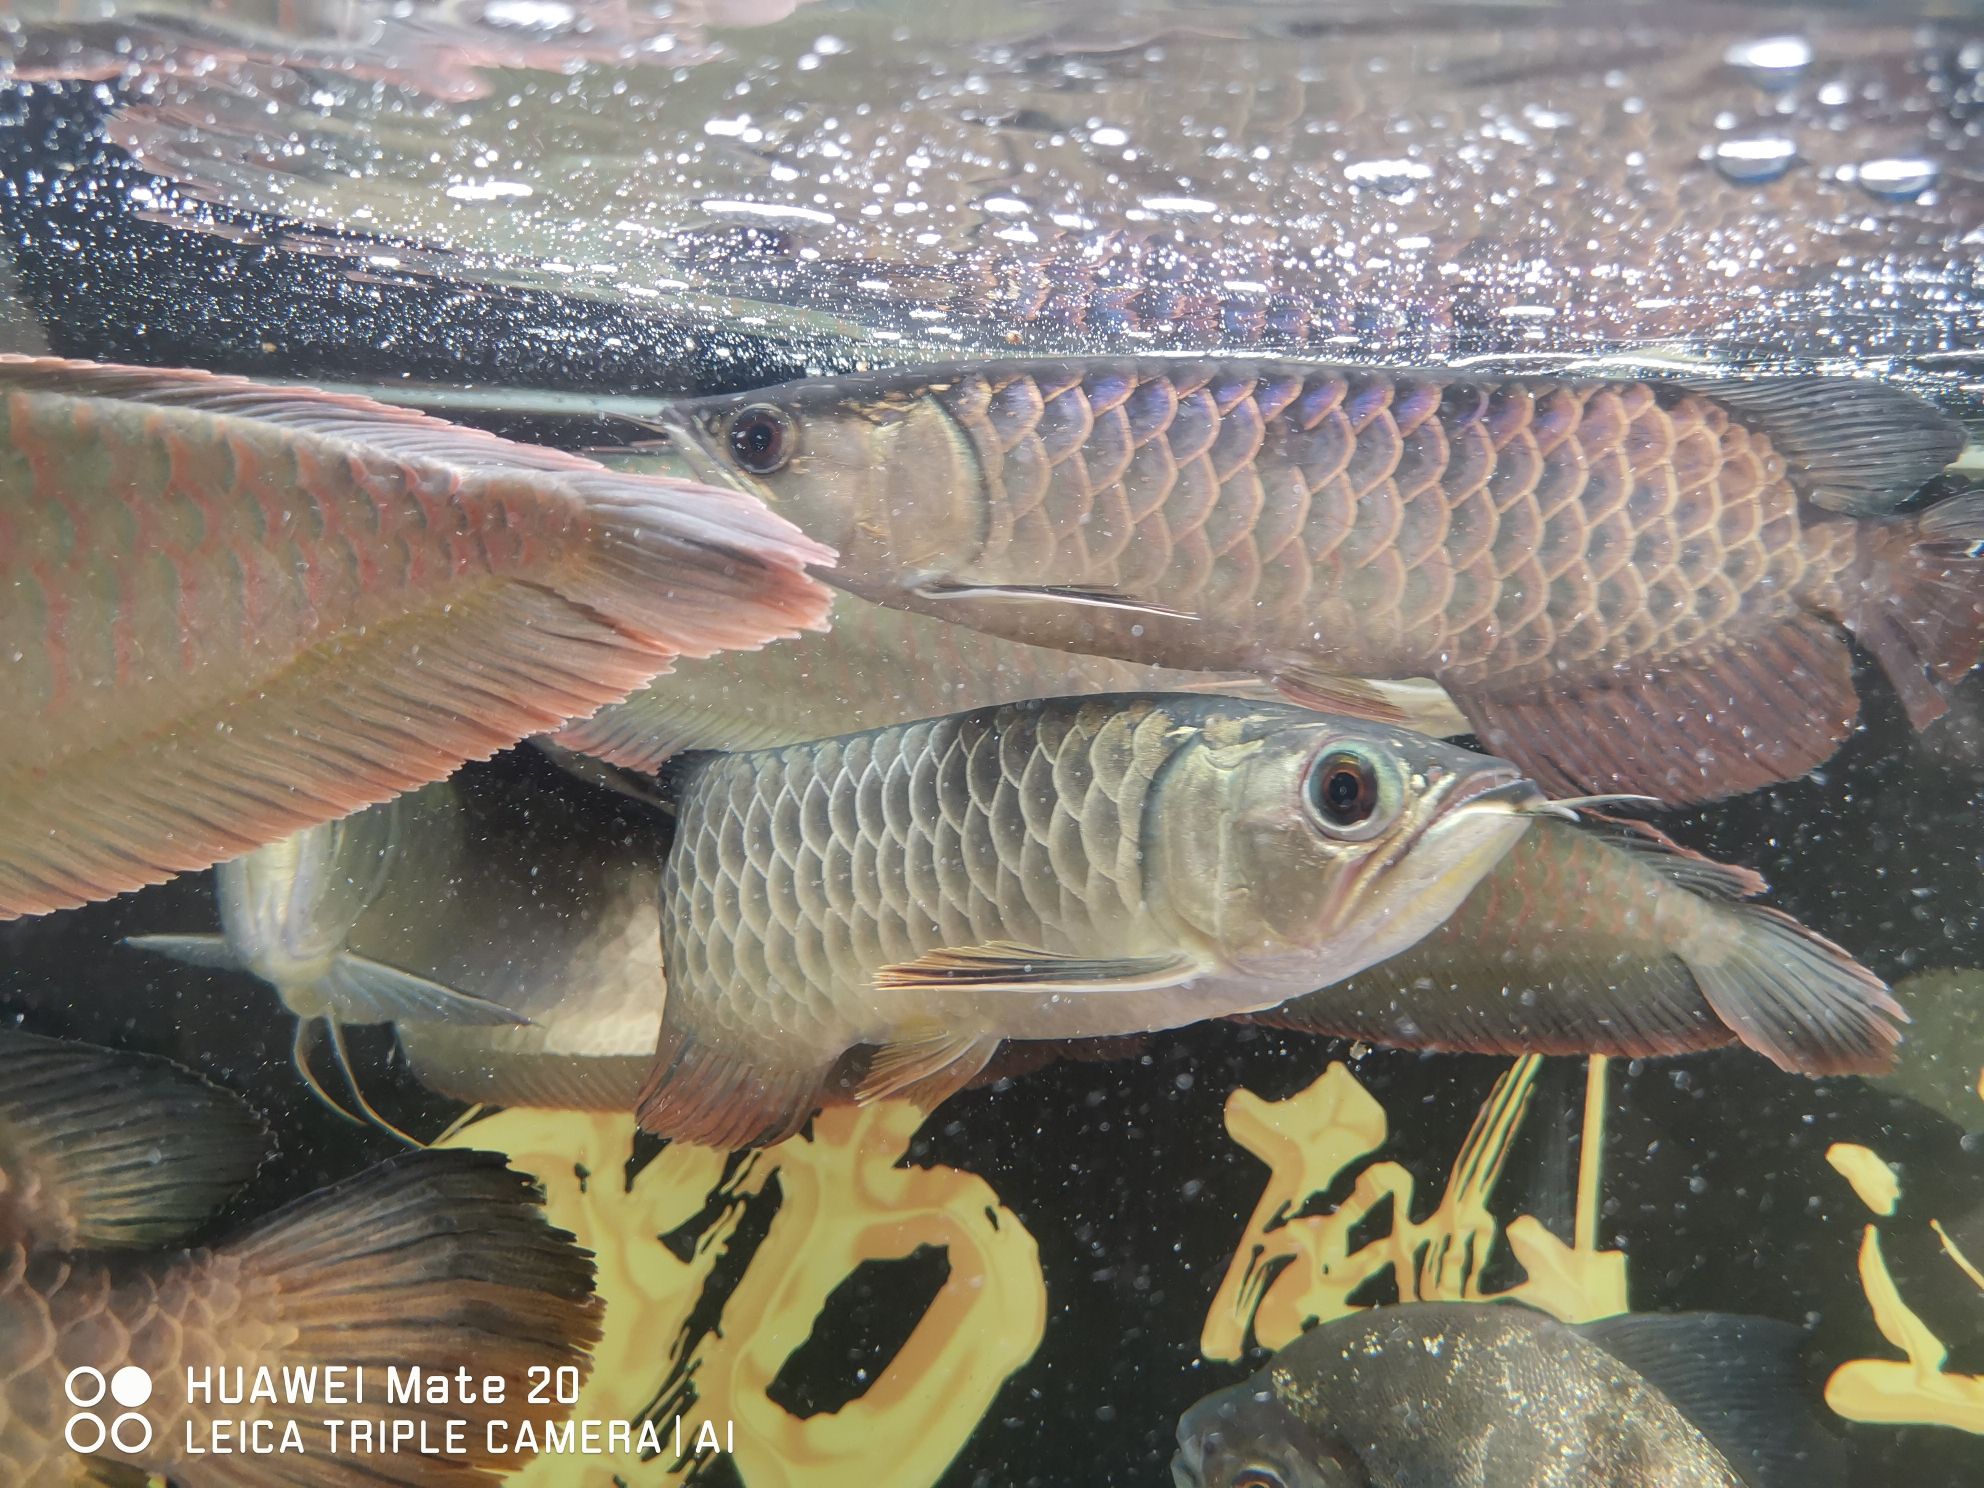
(1305,848)
(879,471)
(1247,1437)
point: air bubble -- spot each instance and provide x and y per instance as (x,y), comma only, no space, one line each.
(1900,176)
(1771,60)
(1750,162)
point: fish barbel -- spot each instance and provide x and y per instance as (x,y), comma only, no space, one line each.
(230,612)
(433,1262)
(1069,868)
(878,666)
(1605,937)
(1624,585)
(1444,1394)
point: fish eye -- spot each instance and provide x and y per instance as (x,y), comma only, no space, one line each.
(760,438)
(1345,791)
(1257,1477)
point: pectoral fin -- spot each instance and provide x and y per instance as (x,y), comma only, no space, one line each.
(1055,594)
(1416,703)
(1001,966)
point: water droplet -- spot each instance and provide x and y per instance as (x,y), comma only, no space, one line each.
(1109,136)
(1773,59)
(1898,176)
(1750,162)
(1387,175)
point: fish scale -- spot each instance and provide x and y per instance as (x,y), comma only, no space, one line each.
(1562,555)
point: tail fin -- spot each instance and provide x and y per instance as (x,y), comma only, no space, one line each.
(437,1261)
(1794,996)
(1920,609)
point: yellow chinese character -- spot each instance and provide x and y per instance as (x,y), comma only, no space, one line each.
(1293,1270)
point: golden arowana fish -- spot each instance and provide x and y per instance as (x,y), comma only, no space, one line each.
(510,936)
(435,1262)
(1624,585)
(879,666)
(1069,868)
(229,611)
(1446,1394)
(1604,937)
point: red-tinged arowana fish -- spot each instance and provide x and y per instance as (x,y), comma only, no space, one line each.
(1605,937)
(1070,868)
(230,611)
(436,1262)
(1467,1395)
(1625,585)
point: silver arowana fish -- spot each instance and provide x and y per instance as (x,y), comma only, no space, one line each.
(1062,869)
(510,935)
(1464,1395)
(435,1261)
(1625,585)
(228,611)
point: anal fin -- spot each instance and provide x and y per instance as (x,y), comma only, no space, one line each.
(1694,727)
(709,1095)
(926,1070)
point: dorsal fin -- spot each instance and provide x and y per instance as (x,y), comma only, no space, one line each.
(1853,445)
(1737,1380)
(104,1149)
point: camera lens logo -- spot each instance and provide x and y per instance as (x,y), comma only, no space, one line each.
(129,1432)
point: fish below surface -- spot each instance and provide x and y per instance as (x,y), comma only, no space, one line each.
(506,928)
(878,666)
(230,611)
(1605,937)
(1063,869)
(1624,584)
(435,1262)
(1460,1395)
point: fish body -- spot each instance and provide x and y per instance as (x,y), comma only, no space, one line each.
(1605,937)
(878,666)
(230,611)
(109,1162)
(510,935)
(1458,1395)
(1062,869)
(1624,585)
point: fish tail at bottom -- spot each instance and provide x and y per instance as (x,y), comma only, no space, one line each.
(433,1262)
(1919,604)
